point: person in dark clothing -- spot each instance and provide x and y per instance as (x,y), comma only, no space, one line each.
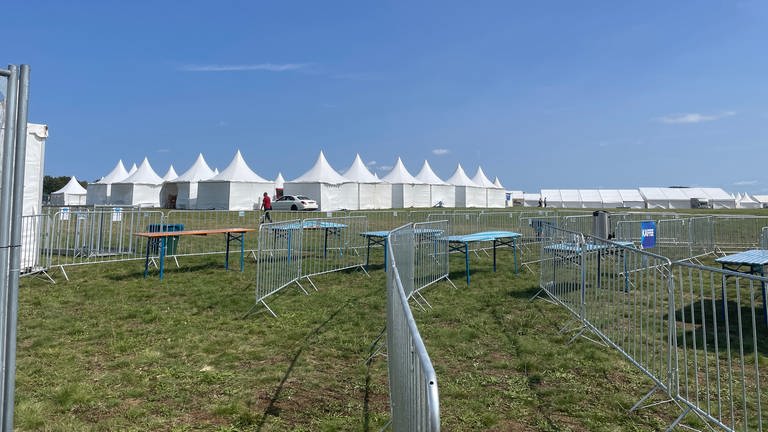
(266,205)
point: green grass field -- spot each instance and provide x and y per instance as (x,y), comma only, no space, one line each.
(110,350)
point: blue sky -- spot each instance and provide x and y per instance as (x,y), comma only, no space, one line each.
(546,94)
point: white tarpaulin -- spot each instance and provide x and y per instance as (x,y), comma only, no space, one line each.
(495,196)
(322,183)
(235,188)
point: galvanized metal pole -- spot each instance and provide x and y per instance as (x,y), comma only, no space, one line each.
(12,307)
(5,211)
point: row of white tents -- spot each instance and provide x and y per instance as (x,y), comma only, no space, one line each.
(644,197)
(238,188)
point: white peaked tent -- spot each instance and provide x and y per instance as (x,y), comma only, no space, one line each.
(748,202)
(72,194)
(439,191)
(142,188)
(170,175)
(133,169)
(99,193)
(372,193)
(181,192)
(322,183)
(761,199)
(495,196)
(468,193)
(235,188)
(407,191)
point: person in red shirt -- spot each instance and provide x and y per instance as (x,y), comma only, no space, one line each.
(266,205)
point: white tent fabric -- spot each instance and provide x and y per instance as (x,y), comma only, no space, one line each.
(132,170)
(610,198)
(235,188)
(468,193)
(591,198)
(407,191)
(99,192)
(322,183)
(762,199)
(170,175)
(440,193)
(680,198)
(497,183)
(632,198)
(72,194)
(142,188)
(748,202)
(279,181)
(32,201)
(495,196)
(181,192)
(372,193)
(531,199)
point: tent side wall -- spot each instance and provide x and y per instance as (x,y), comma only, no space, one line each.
(374,196)
(496,198)
(98,194)
(247,195)
(212,195)
(416,195)
(121,194)
(443,193)
(338,197)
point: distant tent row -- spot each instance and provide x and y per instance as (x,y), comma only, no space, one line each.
(644,197)
(587,198)
(238,188)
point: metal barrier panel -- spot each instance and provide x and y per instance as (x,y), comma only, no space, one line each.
(721,344)
(460,222)
(764,238)
(737,233)
(211,219)
(384,220)
(498,221)
(87,237)
(413,393)
(278,260)
(621,294)
(431,253)
(332,244)
(578,223)
(34,230)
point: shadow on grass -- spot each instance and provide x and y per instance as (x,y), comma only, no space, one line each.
(272,409)
(703,321)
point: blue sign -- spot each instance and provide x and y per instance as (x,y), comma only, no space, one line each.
(647,234)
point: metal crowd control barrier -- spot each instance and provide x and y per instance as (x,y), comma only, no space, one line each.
(622,295)
(430,255)
(737,233)
(211,219)
(332,244)
(720,346)
(278,259)
(34,230)
(98,236)
(460,223)
(764,238)
(413,393)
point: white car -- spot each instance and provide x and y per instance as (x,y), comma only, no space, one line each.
(294,202)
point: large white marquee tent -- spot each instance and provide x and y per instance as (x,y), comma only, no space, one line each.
(680,198)
(235,188)
(142,188)
(407,191)
(440,193)
(72,194)
(372,193)
(331,190)
(181,192)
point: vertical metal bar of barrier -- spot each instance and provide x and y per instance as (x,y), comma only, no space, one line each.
(413,389)
(431,253)
(333,244)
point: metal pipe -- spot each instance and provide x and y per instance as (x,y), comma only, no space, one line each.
(5,210)
(12,307)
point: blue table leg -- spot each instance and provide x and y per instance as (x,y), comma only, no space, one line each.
(386,248)
(466,260)
(162,256)
(494,255)
(146,261)
(368,254)
(765,305)
(242,252)
(226,257)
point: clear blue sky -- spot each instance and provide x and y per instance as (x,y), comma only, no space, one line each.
(544,94)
